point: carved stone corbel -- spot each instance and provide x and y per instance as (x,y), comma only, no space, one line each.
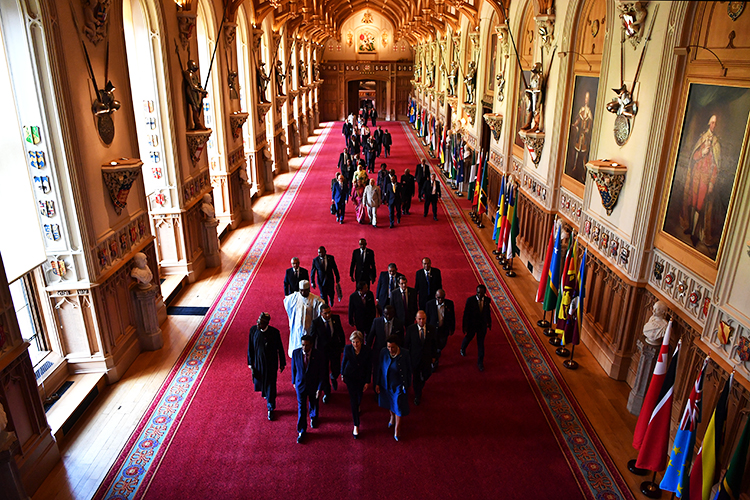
(256,36)
(534,142)
(633,15)
(263,108)
(230,34)
(545,25)
(236,121)
(609,178)
(471,112)
(119,176)
(495,122)
(186,24)
(196,142)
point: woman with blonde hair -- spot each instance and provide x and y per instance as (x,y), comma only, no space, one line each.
(356,369)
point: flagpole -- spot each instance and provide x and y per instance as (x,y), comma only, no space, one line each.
(510,273)
(651,488)
(635,469)
(543,323)
(562,351)
(569,363)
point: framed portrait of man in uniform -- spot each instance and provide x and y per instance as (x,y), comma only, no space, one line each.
(580,127)
(702,185)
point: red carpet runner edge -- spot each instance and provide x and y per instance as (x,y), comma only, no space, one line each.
(136,465)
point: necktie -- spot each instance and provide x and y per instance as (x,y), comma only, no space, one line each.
(296,277)
(305,361)
(363,255)
(387,329)
(427,274)
(421,334)
(403,296)
(330,328)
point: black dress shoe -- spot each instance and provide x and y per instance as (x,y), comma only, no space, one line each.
(417,400)
(434,218)
(335,384)
(270,415)
(356,436)
(481,367)
(463,353)
(325,399)
(300,436)
(314,423)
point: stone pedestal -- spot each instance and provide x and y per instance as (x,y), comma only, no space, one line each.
(247,203)
(10,477)
(211,248)
(149,334)
(643,375)
(293,136)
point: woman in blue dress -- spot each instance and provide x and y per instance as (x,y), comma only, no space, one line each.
(392,378)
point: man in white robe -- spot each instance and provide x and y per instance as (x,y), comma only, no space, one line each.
(302,307)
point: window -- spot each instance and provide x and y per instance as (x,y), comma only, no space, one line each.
(23,294)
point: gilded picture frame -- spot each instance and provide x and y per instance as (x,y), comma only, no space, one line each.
(581,127)
(705,164)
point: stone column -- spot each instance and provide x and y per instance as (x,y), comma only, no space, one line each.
(645,369)
(211,249)
(149,336)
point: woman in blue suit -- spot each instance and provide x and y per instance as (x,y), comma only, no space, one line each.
(392,379)
(356,370)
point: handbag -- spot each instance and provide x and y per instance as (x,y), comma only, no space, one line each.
(333,209)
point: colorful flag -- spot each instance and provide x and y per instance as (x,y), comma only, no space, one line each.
(478,180)
(545,269)
(655,445)
(576,334)
(482,205)
(729,487)
(512,249)
(654,388)
(502,243)
(703,475)
(555,270)
(472,178)
(568,288)
(499,214)
(678,470)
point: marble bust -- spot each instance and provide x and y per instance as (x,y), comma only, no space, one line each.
(208,207)
(656,326)
(141,271)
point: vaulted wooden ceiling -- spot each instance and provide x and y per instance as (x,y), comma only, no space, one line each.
(413,20)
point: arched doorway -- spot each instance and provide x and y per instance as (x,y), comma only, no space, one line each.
(367,93)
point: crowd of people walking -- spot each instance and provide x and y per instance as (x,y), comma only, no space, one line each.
(397,337)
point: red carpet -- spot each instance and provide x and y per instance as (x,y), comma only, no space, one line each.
(475,435)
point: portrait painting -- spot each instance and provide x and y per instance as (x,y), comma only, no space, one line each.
(491,69)
(580,127)
(521,107)
(713,133)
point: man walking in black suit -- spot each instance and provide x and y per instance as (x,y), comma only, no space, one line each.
(407,191)
(378,136)
(404,301)
(441,314)
(346,131)
(393,197)
(420,342)
(422,175)
(308,376)
(387,282)
(387,141)
(362,307)
(362,267)
(431,194)
(383,327)
(328,338)
(265,355)
(477,320)
(325,269)
(293,276)
(427,281)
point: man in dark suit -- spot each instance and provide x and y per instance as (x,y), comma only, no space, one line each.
(378,136)
(441,314)
(362,307)
(420,342)
(477,320)
(344,157)
(387,142)
(328,338)
(308,379)
(387,282)
(404,301)
(383,177)
(383,327)
(362,267)
(421,175)
(407,191)
(370,155)
(431,195)
(338,198)
(393,198)
(324,268)
(427,281)
(354,144)
(346,130)
(293,276)
(265,355)
(373,115)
